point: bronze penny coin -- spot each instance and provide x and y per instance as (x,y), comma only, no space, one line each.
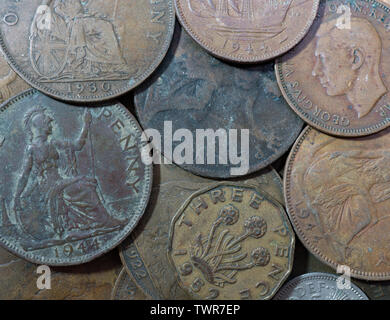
(10,83)
(85,50)
(193,92)
(231,241)
(337,198)
(318,286)
(126,289)
(336,79)
(91,281)
(75,185)
(144,252)
(247,30)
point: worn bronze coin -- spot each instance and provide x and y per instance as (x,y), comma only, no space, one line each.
(318,286)
(144,252)
(126,289)
(231,241)
(90,281)
(10,83)
(247,30)
(336,79)
(197,101)
(73,183)
(337,194)
(85,50)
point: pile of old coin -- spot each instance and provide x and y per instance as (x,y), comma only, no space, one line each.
(91,90)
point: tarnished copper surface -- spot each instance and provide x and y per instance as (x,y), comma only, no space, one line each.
(10,83)
(144,252)
(126,289)
(90,281)
(75,182)
(85,50)
(247,30)
(337,78)
(195,91)
(337,195)
(231,241)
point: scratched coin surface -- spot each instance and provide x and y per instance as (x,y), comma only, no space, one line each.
(90,281)
(73,183)
(231,241)
(194,91)
(337,195)
(126,289)
(318,286)
(343,86)
(85,51)
(247,30)
(144,252)
(10,83)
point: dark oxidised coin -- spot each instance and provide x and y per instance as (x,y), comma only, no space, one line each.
(337,78)
(85,50)
(73,183)
(231,241)
(247,30)
(195,92)
(126,289)
(337,196)
(318,286)
(144,252)
(90,281)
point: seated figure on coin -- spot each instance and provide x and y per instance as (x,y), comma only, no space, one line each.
(55,204)
(347,63)
(91,44)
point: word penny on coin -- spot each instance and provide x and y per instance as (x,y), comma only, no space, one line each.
(337,196)
(144,252)
(231,241)
(85,50)
(247,30)
(194,96)
(318,286)
(76,185)
(126,289)
(342,88)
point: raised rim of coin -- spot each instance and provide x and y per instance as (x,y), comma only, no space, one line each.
(317,276)
(127,229)
(239,58)
(298,231)
(95,98)
(229,183)
(341,132)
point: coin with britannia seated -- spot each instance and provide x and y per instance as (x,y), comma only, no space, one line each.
(73,183)
(85,51)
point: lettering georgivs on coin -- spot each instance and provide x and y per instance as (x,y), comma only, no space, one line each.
(85,51)
(231,241)
(247,30)
(342,88)
(144,252)
(60,206)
